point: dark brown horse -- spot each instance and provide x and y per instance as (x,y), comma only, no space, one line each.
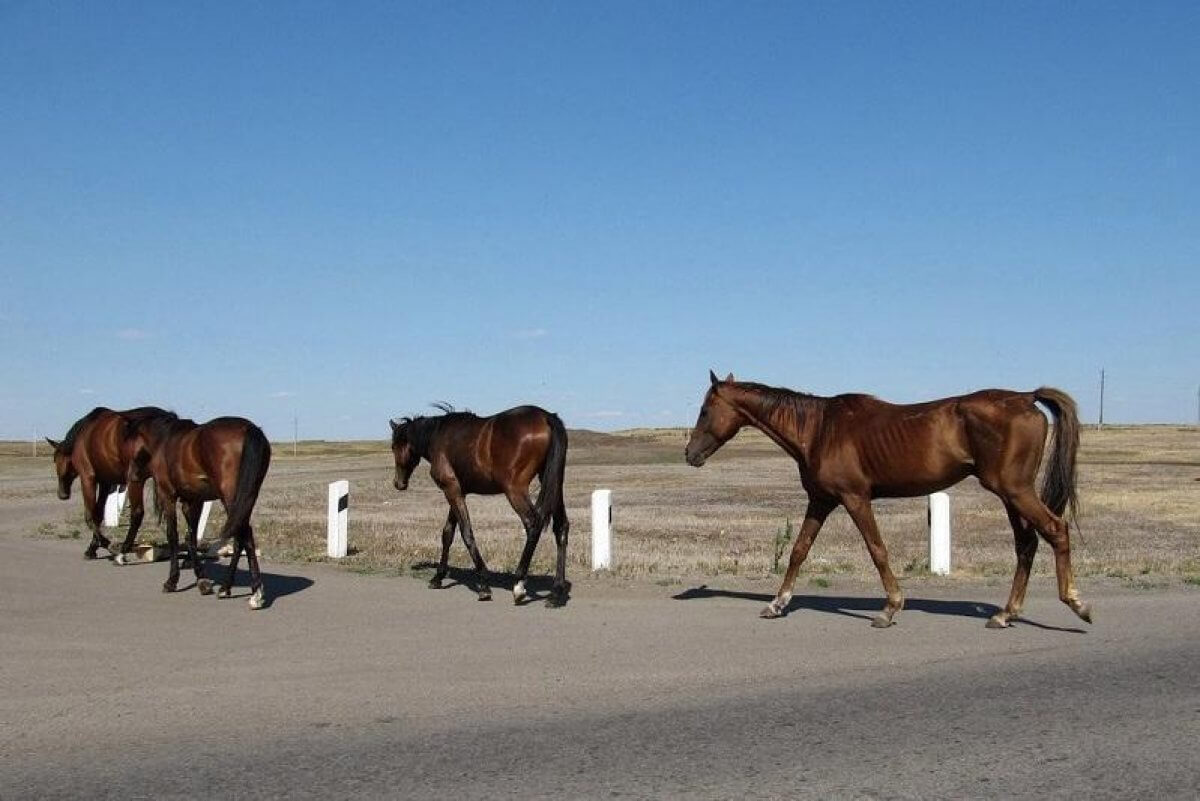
(852,448)
(225,459)
(96,451)
(490,456)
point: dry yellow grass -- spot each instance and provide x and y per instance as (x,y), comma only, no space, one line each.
(1139,488)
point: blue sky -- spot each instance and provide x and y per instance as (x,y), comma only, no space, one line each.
(343,211)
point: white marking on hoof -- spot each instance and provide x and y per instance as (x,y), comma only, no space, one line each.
(519,592)
(257,601)
(119,559)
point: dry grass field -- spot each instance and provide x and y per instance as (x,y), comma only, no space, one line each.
(1139,488)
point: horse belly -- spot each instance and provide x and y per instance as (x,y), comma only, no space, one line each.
(923,482)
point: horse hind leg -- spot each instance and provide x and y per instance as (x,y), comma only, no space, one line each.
(1056,532)
(258,596)
(1025,539)
(227,586)
(562,527)
(533,531)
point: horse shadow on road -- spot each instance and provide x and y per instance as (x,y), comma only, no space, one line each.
(860,607)
(275,585)
(537,588)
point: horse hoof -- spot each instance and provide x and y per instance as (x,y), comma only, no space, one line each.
(258,600)
(881,622)
(89,554)
(997,622)
(1085,612)
(519,593)
(224,592)
(556,602)
(119,559)
(205,586)
(769,612)
(435,584)
(168,587)
(485,595)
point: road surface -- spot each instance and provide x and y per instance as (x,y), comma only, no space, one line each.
(366,686)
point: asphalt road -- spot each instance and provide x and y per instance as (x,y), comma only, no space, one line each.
(361,686)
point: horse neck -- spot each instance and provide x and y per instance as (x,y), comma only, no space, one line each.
(423,433)
(789,425)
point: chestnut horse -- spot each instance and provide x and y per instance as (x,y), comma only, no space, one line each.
(95,450)
(853,448)
(225,459)
(490,456)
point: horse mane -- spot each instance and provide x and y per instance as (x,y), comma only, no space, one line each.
(419,431)
(68,442)
(158,426)
(774,398)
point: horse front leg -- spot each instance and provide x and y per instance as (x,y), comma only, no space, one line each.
(859,508)
(443,567)
(95,495)
(814,518)
(191,514)
(459,504)
(172,531)
(134,491)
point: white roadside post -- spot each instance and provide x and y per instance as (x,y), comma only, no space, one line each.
(602,529)
(339,513)
(939,534)
(204,510)
(113,507)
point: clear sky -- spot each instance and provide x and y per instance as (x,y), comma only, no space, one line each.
(344,211)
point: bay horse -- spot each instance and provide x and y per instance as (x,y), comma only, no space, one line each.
(225,459)
(95,449)
(853,448)
(490,456)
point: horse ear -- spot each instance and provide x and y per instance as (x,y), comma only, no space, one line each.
(729,378)
(713,378)
(53,444)
(394,425)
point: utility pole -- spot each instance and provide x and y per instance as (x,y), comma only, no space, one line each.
(1100,425)
(295,433)
(35,443)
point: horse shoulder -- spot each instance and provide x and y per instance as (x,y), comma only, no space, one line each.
(441,470)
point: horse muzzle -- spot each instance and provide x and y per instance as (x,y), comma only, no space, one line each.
(696,459)
(400,485)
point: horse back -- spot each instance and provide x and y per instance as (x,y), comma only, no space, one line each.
(870,446)
(488,455)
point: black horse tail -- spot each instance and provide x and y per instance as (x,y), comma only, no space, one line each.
(256,456)
(551,477)
(1058,485)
